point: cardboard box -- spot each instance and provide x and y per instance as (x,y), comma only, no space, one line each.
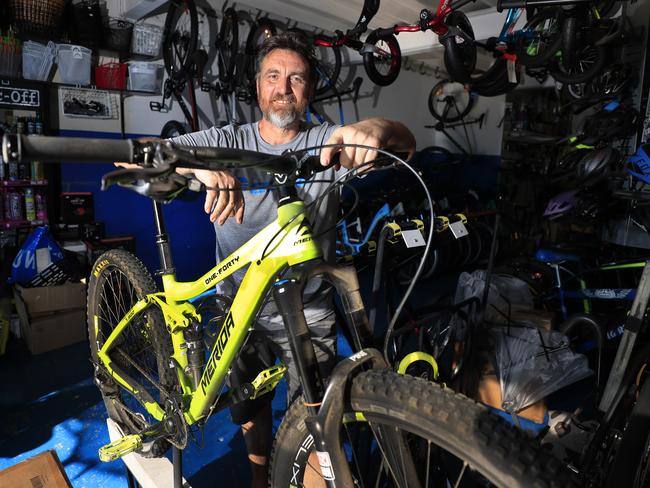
(43,470)
(51,316)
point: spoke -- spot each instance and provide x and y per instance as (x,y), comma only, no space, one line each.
(460,477)
(385,457)
(355,461)
(426,479)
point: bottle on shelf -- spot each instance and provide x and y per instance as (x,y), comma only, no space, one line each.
(41,206)
(14,205)
(30,210)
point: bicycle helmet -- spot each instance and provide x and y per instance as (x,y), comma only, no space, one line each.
(640,164)
(560,204)
(594,166)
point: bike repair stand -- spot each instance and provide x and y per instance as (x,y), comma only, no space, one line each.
(150,472)
(442,127)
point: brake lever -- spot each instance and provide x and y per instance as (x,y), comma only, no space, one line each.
(129,175)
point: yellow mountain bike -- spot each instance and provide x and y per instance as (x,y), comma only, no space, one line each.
(368,425)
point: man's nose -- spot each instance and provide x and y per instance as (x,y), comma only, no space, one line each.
(286,86)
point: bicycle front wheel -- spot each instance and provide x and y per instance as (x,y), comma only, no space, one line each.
(447,439)
(140,354)
(384,62)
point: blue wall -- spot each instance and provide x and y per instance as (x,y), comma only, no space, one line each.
(126,213)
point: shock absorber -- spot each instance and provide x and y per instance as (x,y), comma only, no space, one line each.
(195,352)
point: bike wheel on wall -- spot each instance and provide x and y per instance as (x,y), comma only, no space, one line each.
(460,53)
(384,62)
(260,31)
(180,38)
(540,39)
(328,67)
(140,355)
(227,45)
(590,60)
(172,128)
(450,101)
(443,439)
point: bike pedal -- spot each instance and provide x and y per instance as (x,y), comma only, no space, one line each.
(267,380)
(120,447)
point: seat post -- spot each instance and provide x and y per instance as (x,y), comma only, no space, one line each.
(162,241)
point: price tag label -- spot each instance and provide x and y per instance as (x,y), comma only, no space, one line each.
(413,238)
(458,229)
(512,71)
(325,465)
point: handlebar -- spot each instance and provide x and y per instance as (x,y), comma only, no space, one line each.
(508,4)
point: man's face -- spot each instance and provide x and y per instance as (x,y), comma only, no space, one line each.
(283,88)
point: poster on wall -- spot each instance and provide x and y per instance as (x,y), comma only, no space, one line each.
(87,103)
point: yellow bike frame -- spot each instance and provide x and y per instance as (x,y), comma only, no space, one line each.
(286,242)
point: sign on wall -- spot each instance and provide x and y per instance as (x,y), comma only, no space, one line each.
(16,95)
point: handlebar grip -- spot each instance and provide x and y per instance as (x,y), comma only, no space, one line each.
(507,4)
(17,148)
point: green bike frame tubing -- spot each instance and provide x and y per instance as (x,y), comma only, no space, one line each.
(286,242)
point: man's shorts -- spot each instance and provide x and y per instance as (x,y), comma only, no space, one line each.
(262,350)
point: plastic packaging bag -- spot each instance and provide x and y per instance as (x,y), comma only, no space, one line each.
(533,363)
(38,252)
(507,294)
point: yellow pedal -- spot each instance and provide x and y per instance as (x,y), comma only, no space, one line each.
(120,447)
(268,379)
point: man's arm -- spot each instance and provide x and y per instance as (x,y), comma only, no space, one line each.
(374,132)
(224,201)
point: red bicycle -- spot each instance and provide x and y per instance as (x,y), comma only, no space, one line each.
(381,53)
(450,24)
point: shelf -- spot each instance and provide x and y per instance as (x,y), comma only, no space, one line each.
(83,87)
(14,224)
(21,183)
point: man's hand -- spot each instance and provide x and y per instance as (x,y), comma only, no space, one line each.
(225,199)
(375,132)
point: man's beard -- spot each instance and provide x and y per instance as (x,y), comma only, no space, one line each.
(283,118)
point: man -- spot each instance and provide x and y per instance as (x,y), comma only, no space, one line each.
(285,86)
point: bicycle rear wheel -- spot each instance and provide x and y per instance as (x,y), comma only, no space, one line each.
(447,438)
(383,64)
(141,353)
(180,38)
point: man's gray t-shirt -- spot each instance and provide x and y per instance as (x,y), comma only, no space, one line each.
(261,209)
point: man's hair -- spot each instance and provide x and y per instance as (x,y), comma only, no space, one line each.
(291,41)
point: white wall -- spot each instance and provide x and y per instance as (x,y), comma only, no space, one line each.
(405,100)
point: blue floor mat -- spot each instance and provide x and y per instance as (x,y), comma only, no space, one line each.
(49,401)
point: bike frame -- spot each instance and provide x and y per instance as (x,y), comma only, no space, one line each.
(355,248)
(285,243)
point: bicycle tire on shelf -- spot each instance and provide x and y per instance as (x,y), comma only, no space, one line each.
(371,62)
(179,68)
(552,46)
(459,57)
(118,280)
(227,45)
(465,429)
